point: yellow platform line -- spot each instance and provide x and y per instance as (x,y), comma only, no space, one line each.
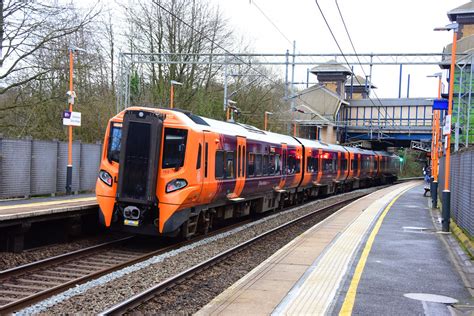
(315,294)
(349,301)
(39,204)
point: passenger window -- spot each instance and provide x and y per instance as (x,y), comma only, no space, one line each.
(354,163)
(277,164)
(265,164)
(251,165)
(258,165)
(343,164)
(229,170)
(313,164)
(174,147)
(271,164)
(219,164)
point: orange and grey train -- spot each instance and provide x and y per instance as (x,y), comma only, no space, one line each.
(169,172)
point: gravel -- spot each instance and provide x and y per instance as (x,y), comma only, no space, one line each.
(97,295)
(192,294)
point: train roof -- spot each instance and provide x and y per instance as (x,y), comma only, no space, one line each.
(248,131)
(321,145)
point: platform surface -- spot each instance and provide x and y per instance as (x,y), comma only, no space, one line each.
(24,208)
(361,260)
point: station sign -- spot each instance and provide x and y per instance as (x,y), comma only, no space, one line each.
(71,118)
(440,104)
(447,125)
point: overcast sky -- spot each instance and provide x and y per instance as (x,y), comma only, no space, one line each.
(397,26)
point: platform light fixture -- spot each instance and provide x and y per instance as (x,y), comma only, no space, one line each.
(265,119)
(435,140)
(71,96)
(446,197)
(173,83)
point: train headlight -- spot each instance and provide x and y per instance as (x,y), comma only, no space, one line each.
(175,184)
(105,177)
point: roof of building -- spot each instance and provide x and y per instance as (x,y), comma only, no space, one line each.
(359,81)
(331,66)
(467,8)
(318,103)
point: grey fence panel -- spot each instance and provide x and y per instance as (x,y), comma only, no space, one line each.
(44,166)
(461,187)
(90,162)
(62,165)
(15,167)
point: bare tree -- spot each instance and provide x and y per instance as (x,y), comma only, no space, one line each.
(26,28)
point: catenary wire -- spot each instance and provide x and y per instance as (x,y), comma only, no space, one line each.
(357,55)
(344,56)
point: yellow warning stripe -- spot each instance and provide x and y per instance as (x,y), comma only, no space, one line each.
(39,204)
(348,304)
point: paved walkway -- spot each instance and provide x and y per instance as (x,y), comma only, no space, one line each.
(367,259)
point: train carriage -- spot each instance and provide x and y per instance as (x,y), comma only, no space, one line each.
(169,172)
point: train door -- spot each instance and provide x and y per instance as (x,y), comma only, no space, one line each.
(209,183)
(320,166)
(240,167)
(283,162)
(200,162)
(338,165)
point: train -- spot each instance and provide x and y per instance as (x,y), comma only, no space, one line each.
(169,172)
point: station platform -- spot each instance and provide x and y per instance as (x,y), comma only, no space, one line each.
(380,255)
(18,216)
(20,209)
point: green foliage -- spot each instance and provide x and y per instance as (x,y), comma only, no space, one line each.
(413,163)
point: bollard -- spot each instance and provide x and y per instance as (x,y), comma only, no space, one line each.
(446,201)
(434,194)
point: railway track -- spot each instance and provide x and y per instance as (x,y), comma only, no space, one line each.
(197,270)
(27,284)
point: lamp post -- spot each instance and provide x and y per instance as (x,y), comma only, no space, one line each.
(265,119)
(231,107)
(446,197)
(435,146)
(71,96)
(173,83)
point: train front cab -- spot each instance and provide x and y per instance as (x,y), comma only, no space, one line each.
(158,175)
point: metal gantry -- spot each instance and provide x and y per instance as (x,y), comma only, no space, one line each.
(462,106)
(288,62)
(129,61)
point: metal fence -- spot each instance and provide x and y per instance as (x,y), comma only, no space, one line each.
(461,185)
(36,167)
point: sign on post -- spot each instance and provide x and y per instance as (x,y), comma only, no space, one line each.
(440,104)
(447,125)
(71,118)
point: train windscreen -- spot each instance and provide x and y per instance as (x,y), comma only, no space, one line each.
(136,162)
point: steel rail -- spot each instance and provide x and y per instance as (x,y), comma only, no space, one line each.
(7,273)
(149,293)
(80,254)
